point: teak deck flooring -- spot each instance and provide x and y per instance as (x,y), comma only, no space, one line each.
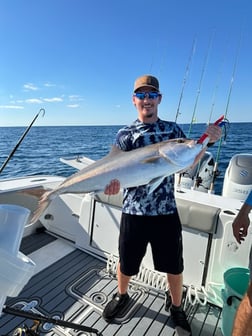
(76,288)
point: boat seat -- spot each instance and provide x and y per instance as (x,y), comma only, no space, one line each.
(192,215)
(198,216)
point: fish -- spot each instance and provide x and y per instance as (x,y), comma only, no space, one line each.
(141,166)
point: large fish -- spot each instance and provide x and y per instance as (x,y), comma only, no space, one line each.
(146,165)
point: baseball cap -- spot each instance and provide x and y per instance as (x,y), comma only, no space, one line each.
(146,80)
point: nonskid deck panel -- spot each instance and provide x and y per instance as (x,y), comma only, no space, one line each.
(77,287)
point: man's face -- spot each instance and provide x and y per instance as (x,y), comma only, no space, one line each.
(147,105)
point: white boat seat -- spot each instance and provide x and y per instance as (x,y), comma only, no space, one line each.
(192,215)
(198,216)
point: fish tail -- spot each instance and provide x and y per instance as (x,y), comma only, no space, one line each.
(43,203)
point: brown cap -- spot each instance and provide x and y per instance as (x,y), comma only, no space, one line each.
(146,80)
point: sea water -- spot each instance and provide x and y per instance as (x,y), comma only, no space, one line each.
(43,146)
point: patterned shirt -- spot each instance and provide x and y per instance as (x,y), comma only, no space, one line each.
(138,200)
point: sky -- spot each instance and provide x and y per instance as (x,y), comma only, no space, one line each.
(78,60)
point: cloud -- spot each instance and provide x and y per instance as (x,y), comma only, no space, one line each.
(30,87)
(49,85)
(75,98)
(53,100)
(73,105)
(34,101)
(17,107)
(42,100)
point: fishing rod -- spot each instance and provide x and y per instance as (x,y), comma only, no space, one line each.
(38,319)
(218,122)
(195,105)
(21,139)
(226,112)
(182,93)
(185,78)
(198,180)
(196,176)
(200,84)
(214,97)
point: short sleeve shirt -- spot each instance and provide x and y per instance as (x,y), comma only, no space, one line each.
(139,200)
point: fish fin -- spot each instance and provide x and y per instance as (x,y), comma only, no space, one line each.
(35,192)
(114,151)
(38,193)
(43,203)
(165,157)
(155,183)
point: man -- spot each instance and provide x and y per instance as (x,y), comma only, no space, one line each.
(243,319)
(150,216)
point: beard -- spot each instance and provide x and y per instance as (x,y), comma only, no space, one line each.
(149,115)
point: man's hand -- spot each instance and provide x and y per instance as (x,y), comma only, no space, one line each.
(112,188)
(241,223)
(214,132)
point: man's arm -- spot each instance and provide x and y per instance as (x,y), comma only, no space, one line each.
(241,222)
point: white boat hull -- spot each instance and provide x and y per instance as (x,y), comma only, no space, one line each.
(90,223)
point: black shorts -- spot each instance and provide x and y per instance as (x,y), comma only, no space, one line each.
(164,234)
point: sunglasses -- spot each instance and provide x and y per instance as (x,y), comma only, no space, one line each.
(150,95)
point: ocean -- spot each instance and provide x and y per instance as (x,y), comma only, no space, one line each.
(43,146)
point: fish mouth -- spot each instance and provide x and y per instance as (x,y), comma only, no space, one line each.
(191,143)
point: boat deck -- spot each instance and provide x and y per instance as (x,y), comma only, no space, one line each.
(74,286)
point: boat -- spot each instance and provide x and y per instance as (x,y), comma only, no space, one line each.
(59,272)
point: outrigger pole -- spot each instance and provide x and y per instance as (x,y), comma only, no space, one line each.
(21,139)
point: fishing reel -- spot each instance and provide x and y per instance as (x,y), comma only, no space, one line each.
(26,331)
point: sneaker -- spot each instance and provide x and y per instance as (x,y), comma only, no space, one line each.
(114,306)
(182,326)
(168,301)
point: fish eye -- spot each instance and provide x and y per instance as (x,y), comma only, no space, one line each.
(181,140)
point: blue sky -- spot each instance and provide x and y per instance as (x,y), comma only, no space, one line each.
(78,59)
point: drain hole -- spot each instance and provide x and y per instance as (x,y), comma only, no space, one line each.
(98,297)
(49,217)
